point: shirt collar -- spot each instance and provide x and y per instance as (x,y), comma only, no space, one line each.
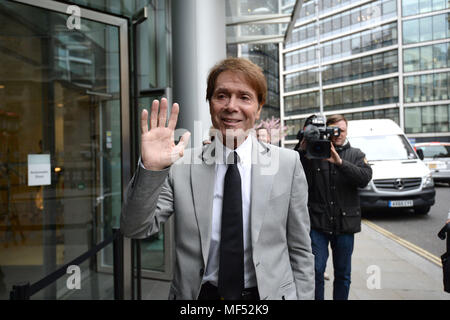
(244,151)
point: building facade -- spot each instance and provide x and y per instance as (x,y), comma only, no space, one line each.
(369,59)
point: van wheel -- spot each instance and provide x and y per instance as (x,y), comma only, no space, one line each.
(422,210)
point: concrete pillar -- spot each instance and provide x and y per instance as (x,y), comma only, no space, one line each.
(199,42)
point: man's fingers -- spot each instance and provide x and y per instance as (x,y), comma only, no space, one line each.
(174,116)
(162,113)
(178,151)
(154,114)
(144,119)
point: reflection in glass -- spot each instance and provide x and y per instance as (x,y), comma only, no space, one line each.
(60,96)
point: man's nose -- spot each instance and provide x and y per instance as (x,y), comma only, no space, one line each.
(232,104)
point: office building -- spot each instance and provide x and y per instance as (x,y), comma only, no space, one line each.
(378,59)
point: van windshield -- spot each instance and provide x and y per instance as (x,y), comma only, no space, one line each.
(435,151)
(389,147)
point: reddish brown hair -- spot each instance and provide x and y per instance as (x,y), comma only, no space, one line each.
(252,73)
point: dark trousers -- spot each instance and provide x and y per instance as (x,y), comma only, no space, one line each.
(210,292)
(342,249)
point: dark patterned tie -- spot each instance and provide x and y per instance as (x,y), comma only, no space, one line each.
(231,263)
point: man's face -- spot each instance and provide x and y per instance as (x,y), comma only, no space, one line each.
(339,141)
(263,135)
(234,107)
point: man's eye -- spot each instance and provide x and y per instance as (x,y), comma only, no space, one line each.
(245,98)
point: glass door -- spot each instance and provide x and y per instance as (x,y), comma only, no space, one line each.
(64,153)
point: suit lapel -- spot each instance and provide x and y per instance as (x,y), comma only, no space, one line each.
(261,187)
(202,182)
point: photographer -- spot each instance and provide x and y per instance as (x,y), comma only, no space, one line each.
(334,171)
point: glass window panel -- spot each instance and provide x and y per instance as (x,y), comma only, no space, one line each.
(378,92)
(410,7)
(346,21)
(346,70)
(413,120)
(439,4)
(424,6)
(337,72)
(389,8)
(356,18)
(336,49)
(367,66)
(366,39)
(426,58)
(440,86)
(328,98)
(356,93)
(428,119)
(337,95)
(356,43)
(347,96)
(426,92)
(440,55)
(411,31)
(426,28)
(440,26)
(378,65)
(411,59)
(346,46)
(336,23)
(356,69)
(327,74)
(367,92)
(441,114)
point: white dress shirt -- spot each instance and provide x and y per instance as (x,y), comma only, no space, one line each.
(244,152)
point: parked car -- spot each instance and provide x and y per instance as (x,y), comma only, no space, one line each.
(436,156)
(399,178)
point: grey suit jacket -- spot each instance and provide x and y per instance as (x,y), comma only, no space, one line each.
(280,225)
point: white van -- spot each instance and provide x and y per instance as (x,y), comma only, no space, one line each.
(400,179)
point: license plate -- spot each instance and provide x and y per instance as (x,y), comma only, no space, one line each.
(432,165)
(400,203)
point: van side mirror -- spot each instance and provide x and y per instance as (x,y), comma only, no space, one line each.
(420,154)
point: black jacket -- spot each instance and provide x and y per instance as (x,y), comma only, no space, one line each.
(333,200)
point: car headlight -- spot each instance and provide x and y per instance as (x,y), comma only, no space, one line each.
(428,181)
(368,187)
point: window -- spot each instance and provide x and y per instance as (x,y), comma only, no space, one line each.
(347,96)
(426,28)
(440,55)
(413,120)
(346,71)
(356,18)
(426,92)
(441,116)
(367,66)
(336,23)
(389,7)
(356,68)
(366,40)
(440,86)
(378,92)
(337,95)
(428,119)
(426,58)
(411,31)
(439,26)
(328,98)
(411,59)
(390,61)
(367,92)
(410,7)
(439,4)
(378,65)
(337,72)
(356,43)
(424,6)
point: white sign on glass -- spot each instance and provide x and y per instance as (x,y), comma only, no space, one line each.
(39,170)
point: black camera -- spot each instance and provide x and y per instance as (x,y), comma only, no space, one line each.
(318,136)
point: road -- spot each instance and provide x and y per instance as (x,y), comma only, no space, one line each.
(420,230)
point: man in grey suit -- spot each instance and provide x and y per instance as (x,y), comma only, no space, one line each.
(240,206)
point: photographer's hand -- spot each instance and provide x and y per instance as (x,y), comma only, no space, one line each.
(334,156)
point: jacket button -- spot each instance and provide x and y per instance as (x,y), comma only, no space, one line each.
(343,213)
(202,271)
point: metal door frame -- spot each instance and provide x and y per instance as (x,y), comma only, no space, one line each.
(122,24)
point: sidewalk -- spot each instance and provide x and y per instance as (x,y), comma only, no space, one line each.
(405,275)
